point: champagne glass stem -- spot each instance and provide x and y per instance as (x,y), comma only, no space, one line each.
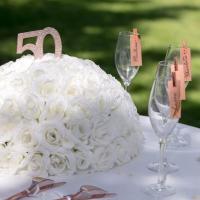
(161,170)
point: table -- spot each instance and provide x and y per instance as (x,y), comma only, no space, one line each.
(129,180)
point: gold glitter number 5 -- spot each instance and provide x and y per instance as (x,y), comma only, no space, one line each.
(37,48)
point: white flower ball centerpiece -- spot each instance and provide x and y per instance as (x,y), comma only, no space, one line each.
(62,115)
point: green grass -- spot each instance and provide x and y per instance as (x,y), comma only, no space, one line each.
(89,29)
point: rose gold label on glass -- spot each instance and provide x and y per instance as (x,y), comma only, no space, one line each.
(172,68)
(185,57)
(135,49)
(179,76)
(174,98)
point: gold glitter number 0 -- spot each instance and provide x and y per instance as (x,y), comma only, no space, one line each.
(37,48)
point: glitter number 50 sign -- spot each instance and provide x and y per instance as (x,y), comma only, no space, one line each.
(37,48)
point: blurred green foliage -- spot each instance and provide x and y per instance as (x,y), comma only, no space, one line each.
(89,29)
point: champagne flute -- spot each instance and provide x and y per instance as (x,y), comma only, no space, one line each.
(123,59)
(169,167)
(163,124)
(176,140)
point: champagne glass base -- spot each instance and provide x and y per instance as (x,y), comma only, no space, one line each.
(168,167)
(158,190)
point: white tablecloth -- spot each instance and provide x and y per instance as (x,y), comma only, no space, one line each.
(130,180)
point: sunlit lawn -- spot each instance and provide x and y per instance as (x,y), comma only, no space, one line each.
(89,29)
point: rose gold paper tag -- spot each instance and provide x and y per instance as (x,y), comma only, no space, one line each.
(185,57)
(172,68)
(40,35)
(179,76)
(135,49)
(174,97)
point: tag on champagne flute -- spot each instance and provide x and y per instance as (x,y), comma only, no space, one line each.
(174,97)
(185,57)
(179,76)
(135,49)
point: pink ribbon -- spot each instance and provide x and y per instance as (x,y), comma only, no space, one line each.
(38,185)
(89,192)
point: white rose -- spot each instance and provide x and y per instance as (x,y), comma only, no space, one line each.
(61,163)
(11,82)
(114,126)
(19,83)
(10,108)
(36,72)
(73,87)
(47,87)
(8,129)
(52,135)
(14,73)
(102,135)
(91,84)
(108,101)
(78,109)
(31,106)
(42,70)
(27,136)
(22,65)
(122,150)
(83,158)
(55,135)
(113,97)
(55,108)
(82,130)
(48,79)
(35,165)
(10,118)
(73,115)
(11,160)
(103,158)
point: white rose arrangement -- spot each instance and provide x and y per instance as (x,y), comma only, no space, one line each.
(59,116)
